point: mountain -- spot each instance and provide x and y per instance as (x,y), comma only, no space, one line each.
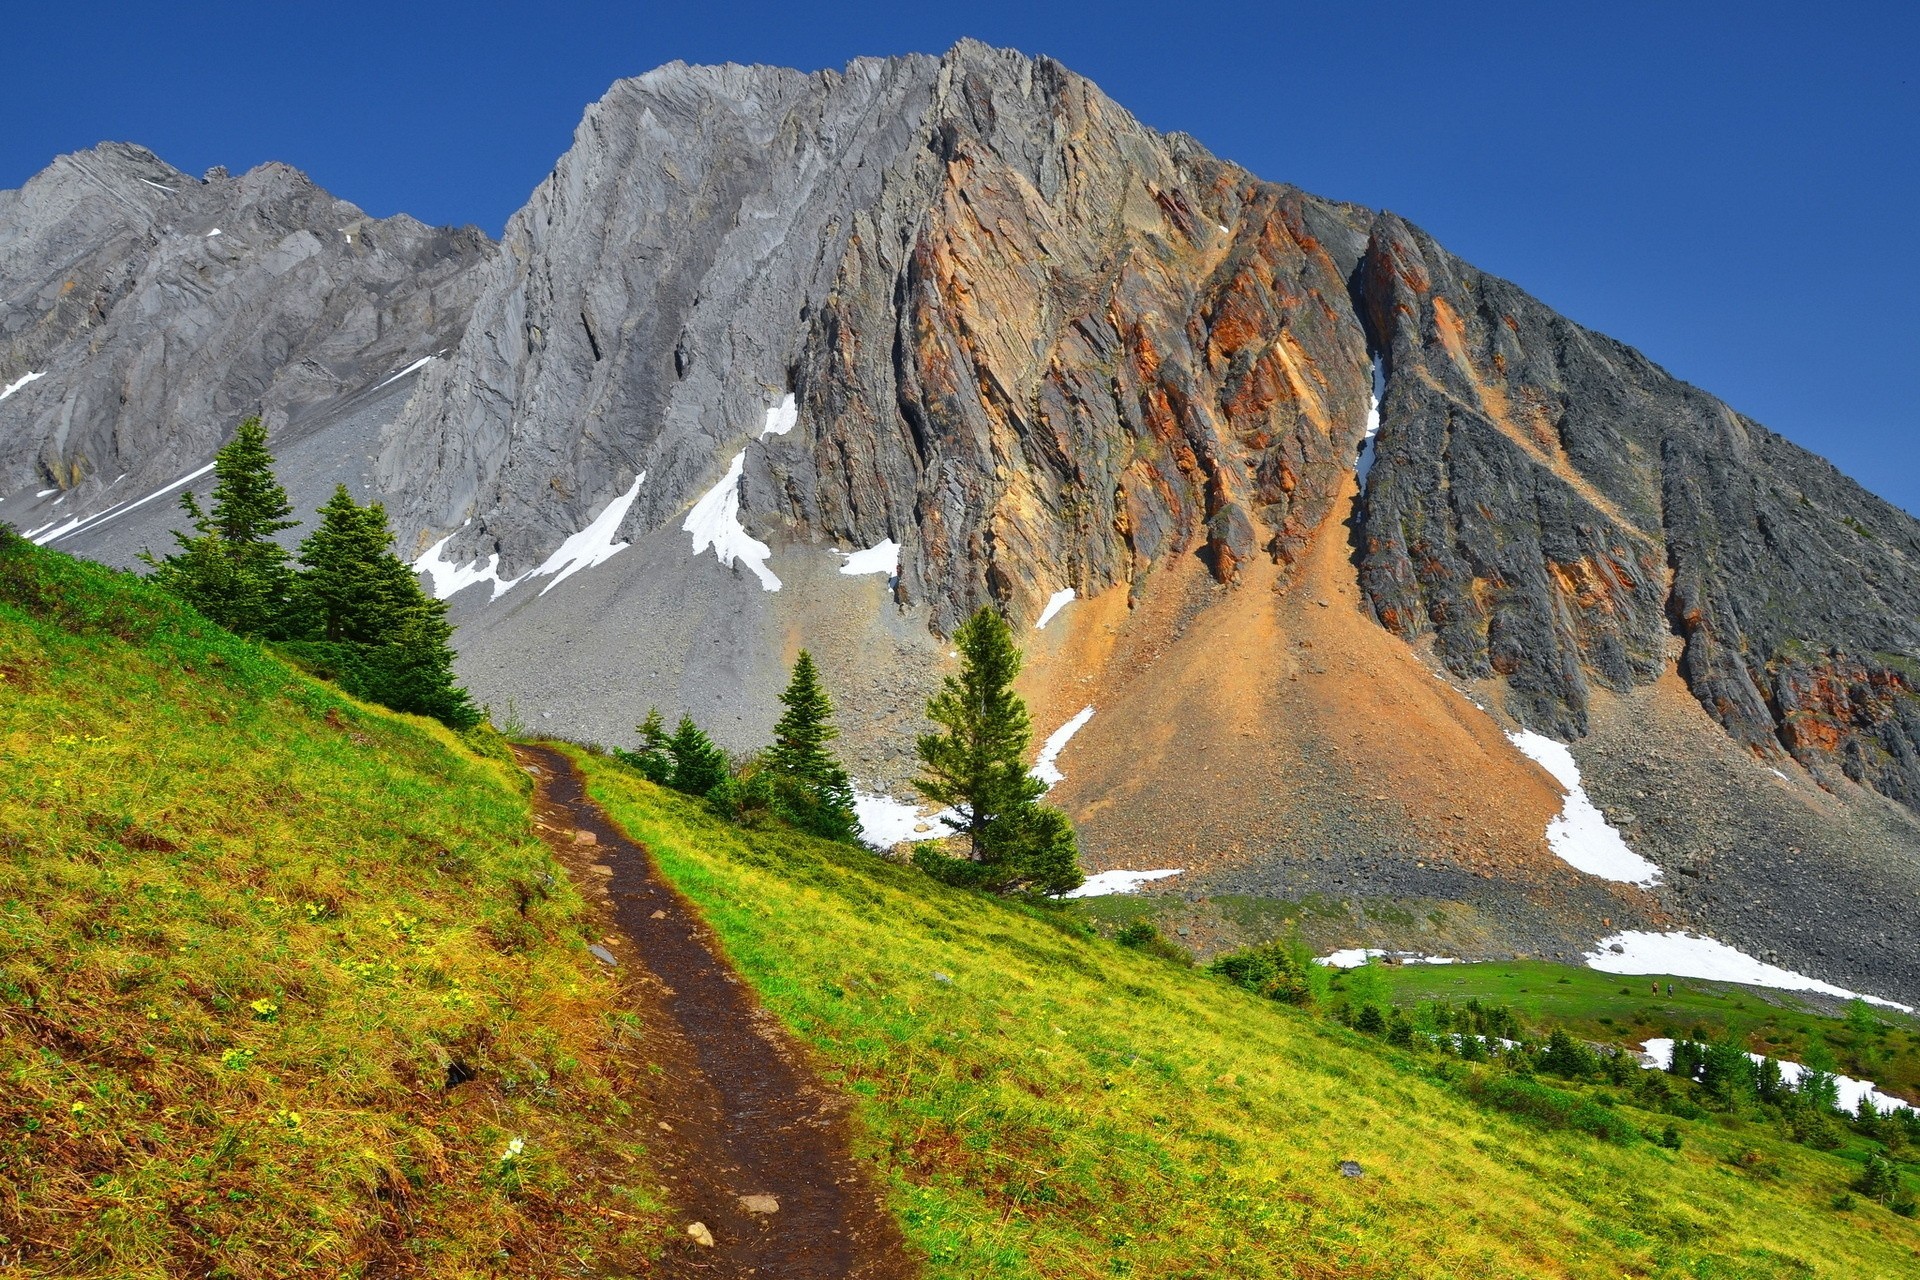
(1357,536)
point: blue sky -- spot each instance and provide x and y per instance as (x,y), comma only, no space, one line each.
(1731,188)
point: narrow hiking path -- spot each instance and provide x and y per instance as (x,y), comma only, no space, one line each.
(755,1148)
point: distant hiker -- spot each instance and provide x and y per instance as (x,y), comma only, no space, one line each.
(1669,988)
(1655,986)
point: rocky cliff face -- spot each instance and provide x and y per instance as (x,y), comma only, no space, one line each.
(1551,505)
(967,318)
(155,310)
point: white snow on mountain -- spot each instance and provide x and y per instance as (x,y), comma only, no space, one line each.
(1580,834)
(715,522)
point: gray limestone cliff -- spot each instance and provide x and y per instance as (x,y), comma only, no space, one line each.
(158,309)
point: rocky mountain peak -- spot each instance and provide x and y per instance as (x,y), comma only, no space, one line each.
(1313,513)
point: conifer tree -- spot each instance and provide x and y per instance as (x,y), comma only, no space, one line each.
(351,587)
(230,568)
(698,765)
(652,758)
(977,769)
(813,791)
(416,667)
(367,623)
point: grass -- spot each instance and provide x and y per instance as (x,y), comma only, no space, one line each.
(250,931)
(1043,1103)
(1614,1009)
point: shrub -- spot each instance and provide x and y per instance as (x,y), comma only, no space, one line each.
(1548,1107)
(1141,936)
(1282,971)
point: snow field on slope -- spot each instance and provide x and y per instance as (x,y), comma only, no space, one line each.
(882,557)
(591,546)
(715,522)
(884,822)
(20,382)
(1354,957)
(1580,834)
(1055,603)
(1107,883)
(42,536)
(1686,955)
(1046,767)
(782,418)
(1365,462)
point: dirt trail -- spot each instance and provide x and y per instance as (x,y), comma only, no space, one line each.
(748,1118)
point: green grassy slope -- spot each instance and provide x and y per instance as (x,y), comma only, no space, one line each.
(1042,1103)
(246,926)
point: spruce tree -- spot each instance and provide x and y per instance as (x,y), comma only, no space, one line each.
(351,587)
(365,621)
(698,765)
(977,769)
(230,568)
(652,758)
(416,667)
(812,791)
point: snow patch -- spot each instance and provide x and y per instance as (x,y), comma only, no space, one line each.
(1687,955)
(592,545)
(1055,603)
(715,522)
(1580,835)
(156,186)
(881,557)
(884,822)
(1354,957)
(449,577)
(1046,767)
(211,234)
(118,509)
(1776,773)
(1365,462)
(1111,882)
(1657,1055)
(45,492)
(421,363)
(781,418)
(20,382)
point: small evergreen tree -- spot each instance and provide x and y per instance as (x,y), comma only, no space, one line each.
(230,568)
(1567,1057)
(1768,1082)
(1726,1071)
(652,757)
(698,765)
(362,620)
(811,790)
(1879,1180)
(351,587)
(977,770)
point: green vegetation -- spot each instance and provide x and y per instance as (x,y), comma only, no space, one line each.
(810,788)
(1869,1043)
(977,769)
(797,780)
(1043,1102)
(230,568)
(287,986)
(354,613)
